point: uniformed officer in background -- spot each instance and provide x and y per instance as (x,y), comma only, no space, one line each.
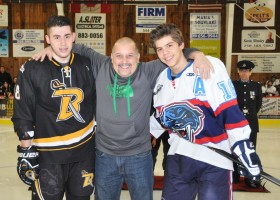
(249,97)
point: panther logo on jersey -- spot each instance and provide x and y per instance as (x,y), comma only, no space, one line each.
(71,99)
(184,118)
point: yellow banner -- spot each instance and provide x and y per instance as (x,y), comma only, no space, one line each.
(208,47)
(6,107)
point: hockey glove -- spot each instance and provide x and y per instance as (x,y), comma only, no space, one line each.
(27,166)
(245,152)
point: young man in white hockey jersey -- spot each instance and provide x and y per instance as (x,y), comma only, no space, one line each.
(198,113)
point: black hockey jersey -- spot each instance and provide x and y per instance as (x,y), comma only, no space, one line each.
(57,103)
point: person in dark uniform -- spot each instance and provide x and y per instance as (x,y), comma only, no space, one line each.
(249,97)
(156,145)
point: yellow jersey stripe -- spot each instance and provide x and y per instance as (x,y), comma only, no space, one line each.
(65,139)
(66,148)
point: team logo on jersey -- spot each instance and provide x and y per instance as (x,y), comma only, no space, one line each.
(159,87)
(71,99)
(190,74)
(183,117)
(88,178)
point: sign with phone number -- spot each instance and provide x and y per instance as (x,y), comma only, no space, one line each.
(205,26)
(90,30)
(206,35)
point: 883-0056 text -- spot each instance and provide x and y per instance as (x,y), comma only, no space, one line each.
(90,35)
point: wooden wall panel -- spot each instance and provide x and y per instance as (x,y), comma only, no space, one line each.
(25,16)
(120,22)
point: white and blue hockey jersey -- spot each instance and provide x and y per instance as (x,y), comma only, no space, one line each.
(199,113)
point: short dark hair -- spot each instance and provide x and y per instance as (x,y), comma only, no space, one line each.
(165,30)
(58,20)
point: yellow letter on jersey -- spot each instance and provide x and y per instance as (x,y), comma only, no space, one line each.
(88,179)
(70,103)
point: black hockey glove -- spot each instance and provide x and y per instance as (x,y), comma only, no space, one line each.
(245,152)
(27,166)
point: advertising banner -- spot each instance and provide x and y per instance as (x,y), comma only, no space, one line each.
(258,39)
(3,15)
(6,107)
(27,42)
(205,32)
(267,63)
(90,30)
(149,17)
(270,108)
(260,13)
(4,43)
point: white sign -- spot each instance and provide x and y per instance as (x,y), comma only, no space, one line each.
(27,42)
(258,39)
(3,15)
(90,30)
(260,13)
(270,108)
(149,17)
(205,26)
(263,63)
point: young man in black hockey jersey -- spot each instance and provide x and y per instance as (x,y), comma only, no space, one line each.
(53,118)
